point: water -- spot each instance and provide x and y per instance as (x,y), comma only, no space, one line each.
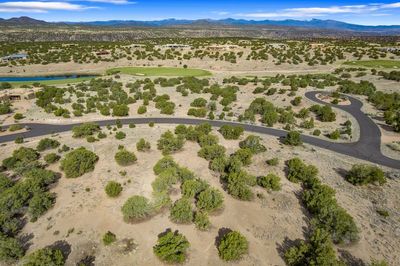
(43,78)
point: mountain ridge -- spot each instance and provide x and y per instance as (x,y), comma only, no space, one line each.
(313,23)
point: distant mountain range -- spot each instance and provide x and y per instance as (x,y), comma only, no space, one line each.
(314,23)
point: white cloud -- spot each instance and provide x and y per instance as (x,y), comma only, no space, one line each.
(221,13)
(39,7)
(322,11)
(392,5)
(45,6)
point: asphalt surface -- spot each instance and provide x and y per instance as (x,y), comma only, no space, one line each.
(368,147)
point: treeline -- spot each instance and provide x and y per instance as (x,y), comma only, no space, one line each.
(387,102)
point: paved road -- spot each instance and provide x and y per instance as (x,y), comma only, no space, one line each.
(366,148)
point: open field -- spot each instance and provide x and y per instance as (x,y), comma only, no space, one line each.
(374,63)
(160,71)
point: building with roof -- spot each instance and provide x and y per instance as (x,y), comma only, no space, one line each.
(13,57)
(16,94)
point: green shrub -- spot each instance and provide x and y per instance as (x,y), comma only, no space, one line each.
(292,138)
(231,132)
(296,101)
(238,185)
(308,124)
(328,215)
(125,158)
(101,135)
(109,238)
(270,181)
(208,140)
(181,211)
(85,129)
(334,135)
(164,163)
(218,164)
(181,130)
(233,165)
(142,109)
(91,139)
(120,135)
(378,263)
(244,156)
(273,162)
(212,152)
(166,179)
(209,200)
(40,177)
(199,102)
(19,140)
(15,127)
(10,248)
(5,108)
(169,143)
(78,162)
(299,171)
(171,247)
(253,143)
(40,203)
(233,246)
(319,251)
(316,132)
(324,113)
(18,116)
(21,157)
(203,128)
(5,182)
(362,174)
(136,208)
(45,256)
(113,189)
(46,144)
(143,145)
(51,158)
(192,187)
(120,110)
(383,212)
(197,112)
(201,221)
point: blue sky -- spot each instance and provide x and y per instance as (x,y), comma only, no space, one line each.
(360,12)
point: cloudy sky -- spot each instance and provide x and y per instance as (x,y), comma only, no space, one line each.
(360,12)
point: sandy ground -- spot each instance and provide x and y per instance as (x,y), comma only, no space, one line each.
(81,217)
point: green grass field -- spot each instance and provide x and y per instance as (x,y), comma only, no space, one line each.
(50,82)
(374,63)
(159,71)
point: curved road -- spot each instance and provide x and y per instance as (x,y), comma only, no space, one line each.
(368,147)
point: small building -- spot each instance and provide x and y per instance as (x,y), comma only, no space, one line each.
(16,95)
(103,52)
(13,57)
(390,49)
(175,46)
(222,47)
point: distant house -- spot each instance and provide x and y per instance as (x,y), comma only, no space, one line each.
(103,53)
(175,46)
(14,57)
(390,49)
(16,95)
